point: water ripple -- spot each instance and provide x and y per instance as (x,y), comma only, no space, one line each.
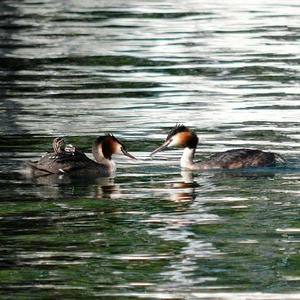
(84,68)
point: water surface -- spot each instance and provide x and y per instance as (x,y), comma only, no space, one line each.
(80,69)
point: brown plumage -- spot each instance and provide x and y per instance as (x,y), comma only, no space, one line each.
(182,136)
(66,160)
(241,158)
(57,145)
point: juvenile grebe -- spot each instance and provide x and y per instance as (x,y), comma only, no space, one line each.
(57,145)
(231,159)
(70,159)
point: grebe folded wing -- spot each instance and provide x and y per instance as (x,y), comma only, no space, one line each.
(62,162)
(241,158)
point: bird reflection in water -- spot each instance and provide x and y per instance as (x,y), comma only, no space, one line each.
(184,189)
(68,185)
(248,173)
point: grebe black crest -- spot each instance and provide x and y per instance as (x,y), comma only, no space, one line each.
(182,136)
(70,159)
(177,129)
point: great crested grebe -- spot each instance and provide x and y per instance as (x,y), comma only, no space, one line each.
(182,136)
(70,159)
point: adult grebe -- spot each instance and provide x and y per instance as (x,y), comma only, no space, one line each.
(180,135)
(72,160)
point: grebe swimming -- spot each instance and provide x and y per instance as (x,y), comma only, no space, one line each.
(182,136)
(69,159)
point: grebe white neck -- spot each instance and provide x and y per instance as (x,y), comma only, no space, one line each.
(187,158)
(109,163)
(101,159)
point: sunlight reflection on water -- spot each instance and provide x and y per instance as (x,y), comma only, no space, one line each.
(84,68)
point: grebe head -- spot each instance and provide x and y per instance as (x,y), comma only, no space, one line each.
(57,144)
(181,136)
(105,146)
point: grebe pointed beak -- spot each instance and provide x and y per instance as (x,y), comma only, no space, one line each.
(162,147)
(127,153)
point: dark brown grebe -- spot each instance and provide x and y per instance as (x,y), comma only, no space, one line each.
(231,159)
(70,159)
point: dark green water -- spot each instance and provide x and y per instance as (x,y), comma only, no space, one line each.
(135,68)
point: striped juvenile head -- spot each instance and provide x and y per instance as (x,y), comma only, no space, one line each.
(57,144)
